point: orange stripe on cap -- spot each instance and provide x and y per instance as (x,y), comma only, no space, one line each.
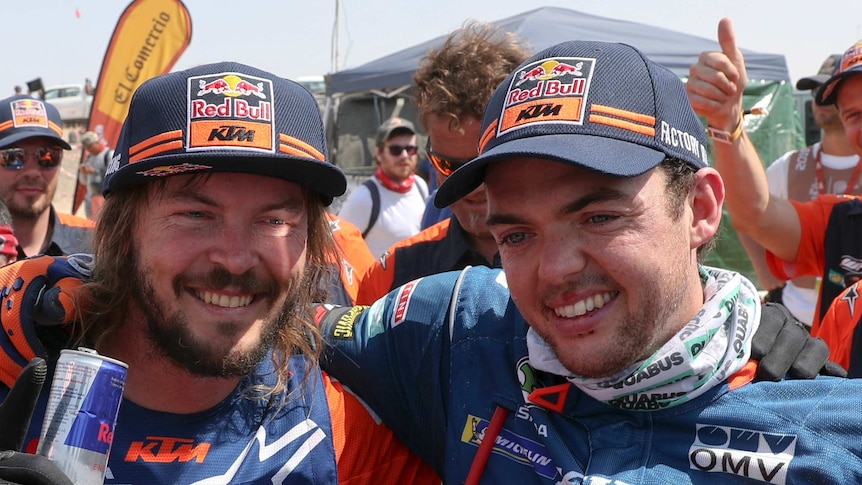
(5,125)
(621,113)
(295,146)
(153,140)
(55,128)
(623,125)
(489,133)
(622,119)
(164,147)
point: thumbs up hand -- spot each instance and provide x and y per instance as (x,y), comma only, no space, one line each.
(716,82)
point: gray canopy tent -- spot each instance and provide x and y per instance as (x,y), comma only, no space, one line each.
(359,99)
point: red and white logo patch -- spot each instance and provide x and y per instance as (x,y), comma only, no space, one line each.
(231,111)
(402,302)
(548,90)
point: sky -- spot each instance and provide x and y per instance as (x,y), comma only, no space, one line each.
(294,38)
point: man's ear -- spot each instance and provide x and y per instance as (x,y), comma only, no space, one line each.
(706,201)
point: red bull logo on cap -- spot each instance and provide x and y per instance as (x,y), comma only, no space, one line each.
(852,57)
(29,112)
(548,90)
(230,111)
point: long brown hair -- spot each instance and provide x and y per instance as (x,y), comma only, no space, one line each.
(105,301)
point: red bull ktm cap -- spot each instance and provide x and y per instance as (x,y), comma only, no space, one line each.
(602,106)
(224,117)
(851,64)
(23,117)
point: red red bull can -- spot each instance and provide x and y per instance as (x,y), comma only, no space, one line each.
(82,410)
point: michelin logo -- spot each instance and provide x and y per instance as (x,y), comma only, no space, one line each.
(748,453)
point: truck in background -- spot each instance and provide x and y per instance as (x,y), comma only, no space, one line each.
(73,101)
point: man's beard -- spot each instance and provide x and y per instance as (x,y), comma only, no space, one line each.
(170,335)
(32,208)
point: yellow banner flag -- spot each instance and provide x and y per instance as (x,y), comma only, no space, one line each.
(148,40)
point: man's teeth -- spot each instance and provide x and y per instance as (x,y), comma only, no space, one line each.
(583,306)
(224,300)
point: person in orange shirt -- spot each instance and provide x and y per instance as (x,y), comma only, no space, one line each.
(353,260)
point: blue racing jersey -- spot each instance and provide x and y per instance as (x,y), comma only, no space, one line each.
(321,434)
(438,358)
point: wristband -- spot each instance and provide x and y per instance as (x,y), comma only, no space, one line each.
(725,136)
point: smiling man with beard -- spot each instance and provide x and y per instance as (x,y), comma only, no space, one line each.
(31,153)
(211,246)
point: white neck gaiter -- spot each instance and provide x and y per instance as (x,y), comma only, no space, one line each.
(704,353)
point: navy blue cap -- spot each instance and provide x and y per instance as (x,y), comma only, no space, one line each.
(601,106)
(851,64)
(23,117)
(224,117)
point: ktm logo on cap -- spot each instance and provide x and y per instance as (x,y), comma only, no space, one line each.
(230,111)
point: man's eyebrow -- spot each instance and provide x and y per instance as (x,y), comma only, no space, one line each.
(603,194)
(288,203)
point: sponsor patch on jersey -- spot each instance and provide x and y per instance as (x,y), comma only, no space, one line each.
(165,170)
(29,112)
(375,323)
(547,91)
(164,449)
(748,453)
(343,327)
(231,111)
(402,303)
(511,445)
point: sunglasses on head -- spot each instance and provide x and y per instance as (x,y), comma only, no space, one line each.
(46,157)
(395,150)
(444,165)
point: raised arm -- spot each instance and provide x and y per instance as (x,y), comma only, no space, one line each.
(715,89)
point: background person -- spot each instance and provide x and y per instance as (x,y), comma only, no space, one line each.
(31,151)
(814,238)
(93,171)
(452,86)
(829,166)
(400,195)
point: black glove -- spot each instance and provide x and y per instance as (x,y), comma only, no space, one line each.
(15,415)
(784,347)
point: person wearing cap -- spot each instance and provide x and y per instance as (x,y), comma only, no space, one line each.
(813,238)
(93,170)
(212,244)
(605,351)
(388,206)
(603,332)
(450,106)
(829,166)
(31,151)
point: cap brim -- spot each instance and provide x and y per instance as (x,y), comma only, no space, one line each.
(321,177)
(23,135)
(811,82)
(828,92)
(608,156)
